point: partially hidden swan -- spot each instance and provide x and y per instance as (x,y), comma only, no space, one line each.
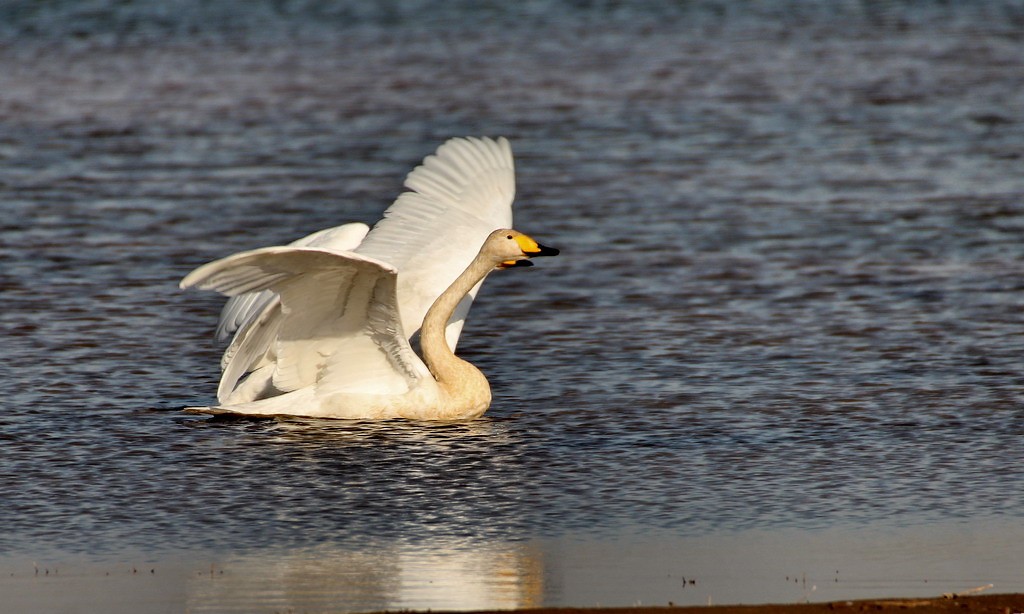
(323,326)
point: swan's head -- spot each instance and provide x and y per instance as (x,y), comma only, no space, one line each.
(511,248)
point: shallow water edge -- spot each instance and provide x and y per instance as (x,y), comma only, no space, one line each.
(749,567)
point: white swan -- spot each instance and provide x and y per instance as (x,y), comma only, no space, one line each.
(323,330)
(459,194)
(341,311)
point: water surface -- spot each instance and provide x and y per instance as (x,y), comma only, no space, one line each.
(787,309)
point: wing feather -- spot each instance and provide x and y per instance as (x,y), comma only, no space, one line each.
(259,334)
(459,195)
(254,317)
(337,310)
(240,309)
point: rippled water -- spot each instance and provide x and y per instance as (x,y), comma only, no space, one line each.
(788,301)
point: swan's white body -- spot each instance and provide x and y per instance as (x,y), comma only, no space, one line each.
(323,326)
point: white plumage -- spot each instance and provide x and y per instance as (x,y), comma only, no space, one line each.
(330,316)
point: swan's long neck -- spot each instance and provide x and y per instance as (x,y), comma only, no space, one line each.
(453,374)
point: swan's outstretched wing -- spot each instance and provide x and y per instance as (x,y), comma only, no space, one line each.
(459,195)
(338,323)
(255,317)
(240,309)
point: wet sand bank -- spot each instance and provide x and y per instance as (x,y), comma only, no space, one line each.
(1008,603)
(214,587)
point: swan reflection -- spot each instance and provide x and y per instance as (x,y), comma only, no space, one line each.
(451,577)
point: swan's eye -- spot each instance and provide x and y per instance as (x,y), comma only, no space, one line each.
(509,237)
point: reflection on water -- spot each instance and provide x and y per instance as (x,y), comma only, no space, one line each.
(384,578)
(647,568)
(326,578)
(789,302)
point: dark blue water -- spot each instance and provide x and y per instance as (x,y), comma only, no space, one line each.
(789,297)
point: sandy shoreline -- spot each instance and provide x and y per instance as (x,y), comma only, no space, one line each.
(1008,603)
(158,588)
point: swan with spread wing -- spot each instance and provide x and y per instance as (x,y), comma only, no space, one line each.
(322,327)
